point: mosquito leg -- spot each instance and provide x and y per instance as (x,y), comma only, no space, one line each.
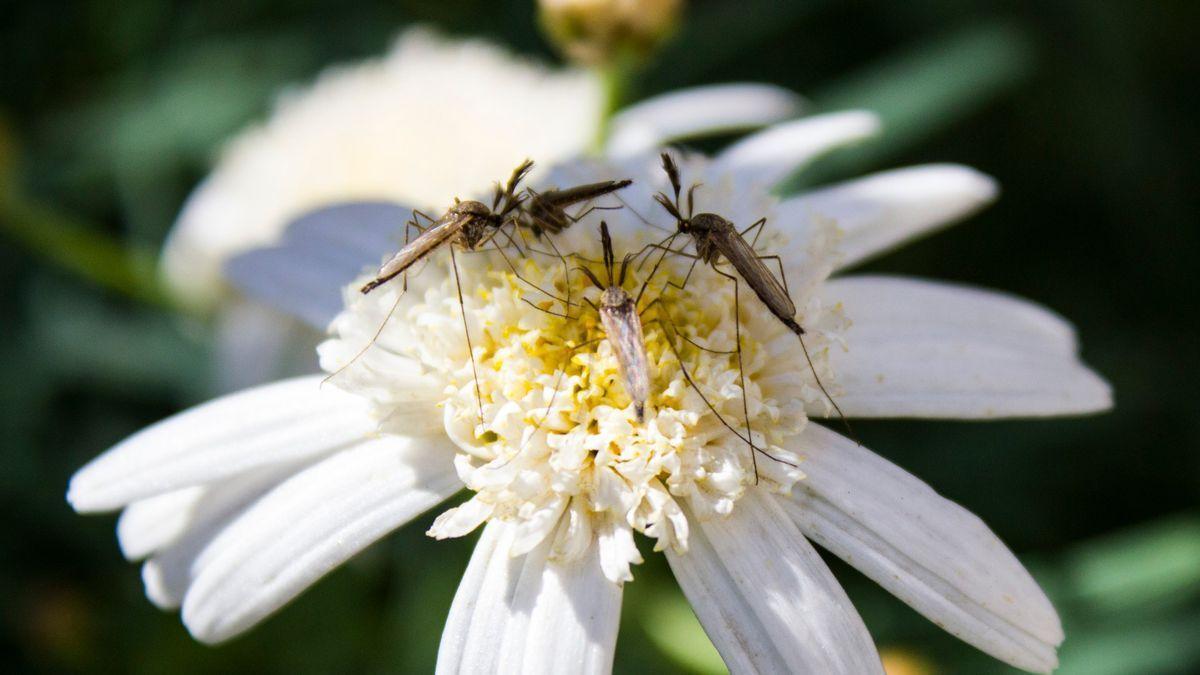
(467,331)
(666,246)
(638,214)
(560,315)
(419,213)
(737,332)
(374,338)
(821,386)
(566,269)
(686,278)
(695,387)
(782,274)
(678,332)
(758,224)
(517,274)
(583,214)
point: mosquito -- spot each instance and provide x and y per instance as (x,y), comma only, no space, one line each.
(715,238)
(622,322)
(470,225)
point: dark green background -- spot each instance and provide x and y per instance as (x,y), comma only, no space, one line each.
(1084,110)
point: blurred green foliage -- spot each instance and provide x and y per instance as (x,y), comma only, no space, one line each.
(1083,109)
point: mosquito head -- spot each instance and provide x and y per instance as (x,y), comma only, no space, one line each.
(614,297)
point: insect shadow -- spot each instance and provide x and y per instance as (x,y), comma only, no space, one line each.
(717,240)
(471,225)
(623,328)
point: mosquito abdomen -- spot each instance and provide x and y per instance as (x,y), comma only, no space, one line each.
(623,327)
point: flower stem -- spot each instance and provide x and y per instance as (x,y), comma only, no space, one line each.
(615,79)
(79,247)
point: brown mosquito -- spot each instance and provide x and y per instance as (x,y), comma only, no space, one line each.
(470,225)
(715,238)
(623,327)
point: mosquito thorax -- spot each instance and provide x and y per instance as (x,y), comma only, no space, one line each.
(703,223)
(470,208)
(480,220)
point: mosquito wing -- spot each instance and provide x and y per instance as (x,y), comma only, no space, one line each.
(546,209)
(624,329)
(581,193)
(439,233)
(756,274)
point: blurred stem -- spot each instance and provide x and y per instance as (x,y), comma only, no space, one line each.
(77,246)
(615,83)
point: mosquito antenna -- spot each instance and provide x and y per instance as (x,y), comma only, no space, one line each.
(670,207)
(497,196)
(624,269)
(592,276)
(817,378)
(606,244)
(666,247)
(672,171)
(691,201)
(637,213)
(511,199)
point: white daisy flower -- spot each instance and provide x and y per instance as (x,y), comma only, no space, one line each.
(432,119)
(240,504)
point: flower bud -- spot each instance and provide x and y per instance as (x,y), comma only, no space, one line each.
(597,32)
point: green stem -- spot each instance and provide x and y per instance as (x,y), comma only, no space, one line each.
(77,246)
(615,79)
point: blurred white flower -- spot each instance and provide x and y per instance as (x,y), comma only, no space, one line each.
(241,504)
(431,120)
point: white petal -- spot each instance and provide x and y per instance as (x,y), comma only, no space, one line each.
(279,422)
(765,598)
(882,211)
(696,111)
(150,524)
(310,524)
(168,574)
(321,252)
(770,155)
(928,551)
(529,614)
(256,344)
(925,349)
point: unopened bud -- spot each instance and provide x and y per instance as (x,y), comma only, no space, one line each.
(597,32)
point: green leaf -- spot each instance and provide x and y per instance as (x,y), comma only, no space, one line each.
(674,629)
(920,93)
(1152,565)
